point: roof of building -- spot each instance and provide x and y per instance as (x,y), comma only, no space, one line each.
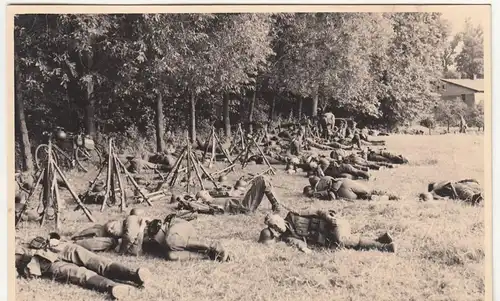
(473,84)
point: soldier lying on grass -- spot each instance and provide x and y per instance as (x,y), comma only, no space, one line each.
(173,238)
(358,160)
(233,201)
(385,156)
(70,263)
(319,229)
(468,190)
(329,188)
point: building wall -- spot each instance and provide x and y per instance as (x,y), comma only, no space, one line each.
(470,99)
(478,98)
(454,90)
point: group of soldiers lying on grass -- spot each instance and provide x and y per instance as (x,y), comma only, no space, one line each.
(341,176)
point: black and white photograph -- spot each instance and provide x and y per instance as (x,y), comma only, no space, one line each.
(227,152)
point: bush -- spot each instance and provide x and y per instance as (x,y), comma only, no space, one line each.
(429,123)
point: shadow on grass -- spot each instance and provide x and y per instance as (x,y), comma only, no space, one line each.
(453,256)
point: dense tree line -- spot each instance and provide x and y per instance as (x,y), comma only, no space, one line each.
(145,74)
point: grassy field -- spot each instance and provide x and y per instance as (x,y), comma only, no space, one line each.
(441,243)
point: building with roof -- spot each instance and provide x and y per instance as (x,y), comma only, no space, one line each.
(471,91)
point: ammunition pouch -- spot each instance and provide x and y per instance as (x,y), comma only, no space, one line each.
(314,229)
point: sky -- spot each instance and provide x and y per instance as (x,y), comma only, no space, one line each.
(458,14)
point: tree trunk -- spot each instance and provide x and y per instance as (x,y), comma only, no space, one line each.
(448,124)
(225,113)
(160,127)
(21,125)
(89,116)
(300,108)
(192,128)
(250,114)
(89,110)
(315,103)
(273,103)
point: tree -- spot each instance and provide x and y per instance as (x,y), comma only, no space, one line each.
(452,74)
(217,54)
(21,125)
(329,54)
(470,60)
(429,123)
(414,65)
(475,116)
(449,112)
(450,51)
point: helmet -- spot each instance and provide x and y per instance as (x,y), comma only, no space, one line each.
(222,178)
(425,196)
(240,184)
(265,235)
(313,180)
(204,195)
(61,135)
(136,211)
(313,165)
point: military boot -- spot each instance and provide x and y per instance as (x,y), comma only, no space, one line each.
(104,285)
(217,252)
(368,244)
(274,202)
(385,238)
(120,272)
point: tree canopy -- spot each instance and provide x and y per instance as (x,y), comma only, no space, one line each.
(113,73)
